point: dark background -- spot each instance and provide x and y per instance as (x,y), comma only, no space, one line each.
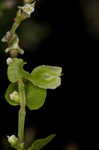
(65,109)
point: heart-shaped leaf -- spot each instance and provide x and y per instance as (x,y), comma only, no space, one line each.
(11,88)
(40,143)
(46,77)
(35,96)
(15,70)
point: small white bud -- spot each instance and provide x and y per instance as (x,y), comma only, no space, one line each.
(9,60)
(6,50)
(12,139)
(15,96)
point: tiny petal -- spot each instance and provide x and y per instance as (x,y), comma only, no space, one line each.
(9,60)
(6,37)
(6,50)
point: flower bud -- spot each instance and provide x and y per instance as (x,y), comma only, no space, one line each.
(9,60)
(13,47)
(15,96)
(13,140)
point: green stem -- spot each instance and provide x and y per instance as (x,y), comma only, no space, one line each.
(14,27)
(22,112)
(17,22)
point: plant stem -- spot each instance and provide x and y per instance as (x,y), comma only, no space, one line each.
(22,112)
(17,22)
(14,27)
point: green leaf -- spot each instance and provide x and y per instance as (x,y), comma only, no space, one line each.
(40,143)
(12,87)
(46,77)
(15,70)
(27,75)
(35,96)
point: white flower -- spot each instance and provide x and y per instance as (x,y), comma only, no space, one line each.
(12,139)
(9,60)
(28,8)
(15,96)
